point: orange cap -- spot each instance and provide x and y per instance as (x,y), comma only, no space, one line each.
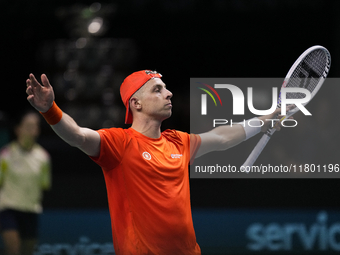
(131,84)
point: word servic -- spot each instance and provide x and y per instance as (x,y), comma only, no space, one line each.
(295,236)
(248,122)
(84,246)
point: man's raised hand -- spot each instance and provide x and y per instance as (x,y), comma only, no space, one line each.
(41,97)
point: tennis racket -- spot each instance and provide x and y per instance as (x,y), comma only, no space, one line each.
(309,71)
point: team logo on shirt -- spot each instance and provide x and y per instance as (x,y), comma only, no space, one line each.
(176,155)
(146,155)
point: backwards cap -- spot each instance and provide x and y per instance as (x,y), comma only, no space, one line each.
(131,84)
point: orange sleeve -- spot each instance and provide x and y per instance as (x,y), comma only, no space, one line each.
(112,148)
(195,143)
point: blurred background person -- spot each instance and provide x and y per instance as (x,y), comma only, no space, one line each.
(25,171)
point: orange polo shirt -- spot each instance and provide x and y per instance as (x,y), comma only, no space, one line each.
(147,183)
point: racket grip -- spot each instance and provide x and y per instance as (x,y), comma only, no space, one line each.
(257,151)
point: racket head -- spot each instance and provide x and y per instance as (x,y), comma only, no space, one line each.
(309,71)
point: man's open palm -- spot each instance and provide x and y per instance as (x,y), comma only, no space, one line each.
(41,97)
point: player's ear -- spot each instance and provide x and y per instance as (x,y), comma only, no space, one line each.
(135,103)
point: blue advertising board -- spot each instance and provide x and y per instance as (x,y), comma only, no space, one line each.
(218,231)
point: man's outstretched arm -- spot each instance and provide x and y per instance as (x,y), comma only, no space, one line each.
(225,137)
(41,97)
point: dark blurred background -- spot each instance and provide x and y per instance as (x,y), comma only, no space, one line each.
(86,49)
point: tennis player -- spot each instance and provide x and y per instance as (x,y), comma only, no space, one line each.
(145,170)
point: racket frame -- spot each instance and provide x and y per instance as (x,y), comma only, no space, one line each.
(270,131)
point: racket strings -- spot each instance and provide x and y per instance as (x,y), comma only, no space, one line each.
(308,73)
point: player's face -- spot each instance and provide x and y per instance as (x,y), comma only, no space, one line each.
(156,100)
